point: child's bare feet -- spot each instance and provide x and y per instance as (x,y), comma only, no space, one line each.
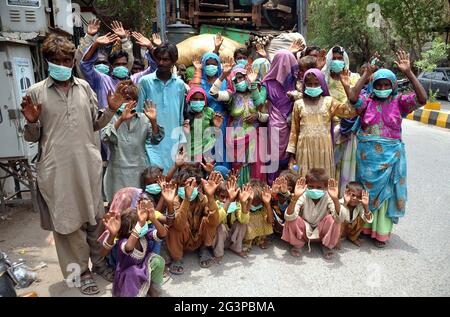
(295,252)
(327,253)
(152,292)
(264,245)
(357,242)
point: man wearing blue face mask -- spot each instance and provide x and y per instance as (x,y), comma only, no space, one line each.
(102,80)
(61,113)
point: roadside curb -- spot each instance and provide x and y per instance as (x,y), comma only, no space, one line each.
(431,117)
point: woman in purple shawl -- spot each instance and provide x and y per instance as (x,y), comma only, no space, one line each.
(279,81)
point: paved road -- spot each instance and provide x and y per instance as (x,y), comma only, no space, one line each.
(415,263)
(445,105)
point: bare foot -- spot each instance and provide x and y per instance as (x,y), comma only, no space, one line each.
(338,246)
(380,244)
(217,259)
(327,253)
(264,245)
(295,252)
(357,242)
(152,292)
(242,254)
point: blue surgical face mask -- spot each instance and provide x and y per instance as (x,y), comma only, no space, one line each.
(197,106)
(315,193)
(241,86)
(255,208)
(144,230)
(153,189)
(121,108)
(382,94)
(211,70)
(337,66)
(58,72)
(120,72)
(181,193)
(242,62)
(102,68)
(313,92)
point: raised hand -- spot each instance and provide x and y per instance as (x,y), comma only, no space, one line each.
(150,208)
(251,75)
(227,65)
(30,110)
(333,190)
(112,223)
(169,191)
(300,187)
(197,61)
(189,186)
(93,27)
(365,199)
(284,185)
(210,185)
(261,50)
(218,41)
(345,77)
(161,180)
(156,39)
(208,167)
(116,100)
(251,118)
(233,190)
(245,193)
(142,211)
(234,173)
(276,186)
(297,46)
(180,158)
(106,39)
(118,29)
(142,41)
(403,62)
(218,120)
(150,110)
(266,195)
(128,112)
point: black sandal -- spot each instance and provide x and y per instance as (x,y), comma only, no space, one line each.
(88,285)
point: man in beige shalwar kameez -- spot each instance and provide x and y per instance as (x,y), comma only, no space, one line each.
(62,115)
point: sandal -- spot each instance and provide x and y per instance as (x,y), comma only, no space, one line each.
(176,267)
(380,244)
(106,272)
(327,253)
(88,285)
(206,260)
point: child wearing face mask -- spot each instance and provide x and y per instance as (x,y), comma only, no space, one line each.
(261,216)
(310,142)
(380,147)
(234,218)
(314,214)
(247,112)
(201,123)
(126,135)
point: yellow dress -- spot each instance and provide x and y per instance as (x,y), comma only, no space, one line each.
(258,225)
(310,138)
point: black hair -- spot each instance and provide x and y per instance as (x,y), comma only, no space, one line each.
(357,187)
(188,171)
(167,48)
(290,177)
(116,55)
(310,49)
(138,62)
(338,50)
(153,171)
(241,50)
(317,175)
(127,222)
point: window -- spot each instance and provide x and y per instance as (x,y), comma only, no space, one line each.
(427,75)
(440,76)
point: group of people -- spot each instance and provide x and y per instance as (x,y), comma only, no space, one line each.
(187,153)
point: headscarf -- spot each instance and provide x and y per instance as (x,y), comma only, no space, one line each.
(205,58)
(222,170)
(327,68)
(125,198)
(321,77)
(193,90)
(261,66)
(384,74)
(284,68)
